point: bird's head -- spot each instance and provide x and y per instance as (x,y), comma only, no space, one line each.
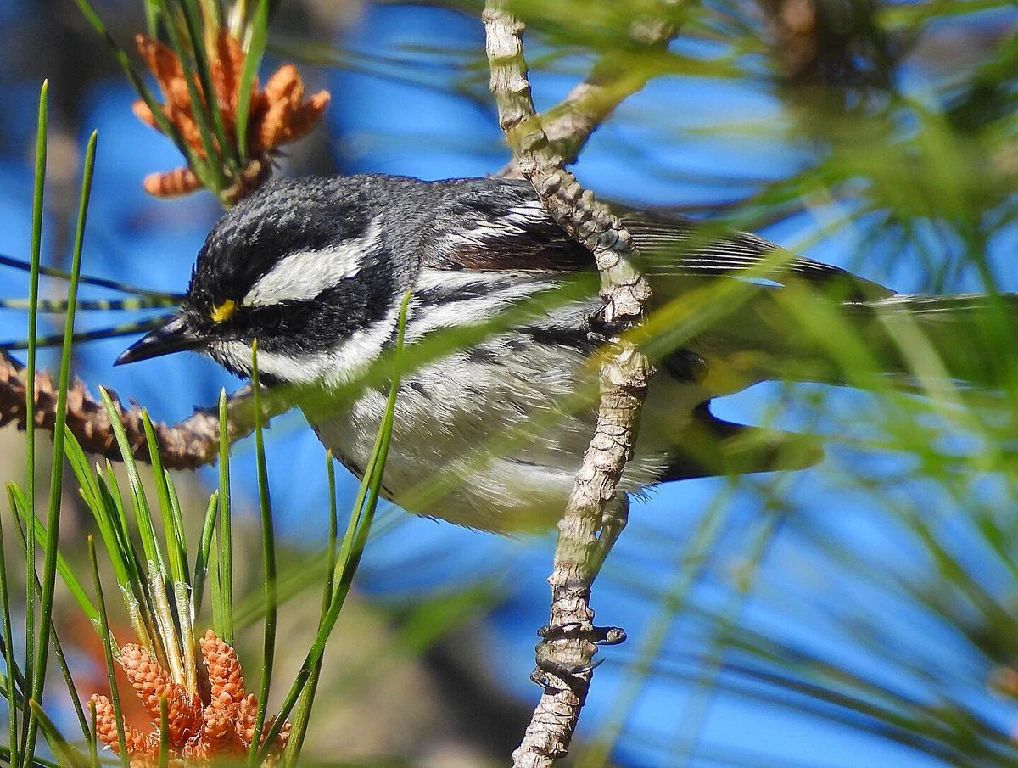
(303,268)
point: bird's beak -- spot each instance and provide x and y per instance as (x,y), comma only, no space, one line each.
(175,335)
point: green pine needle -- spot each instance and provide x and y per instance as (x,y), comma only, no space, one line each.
(268,553)
(223,617)
(56,477)
(109,650)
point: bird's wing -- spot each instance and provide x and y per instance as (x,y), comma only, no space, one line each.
(674,245)
(502,225)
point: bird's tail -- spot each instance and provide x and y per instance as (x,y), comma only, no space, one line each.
(914,343)
(971,339)
(798,335)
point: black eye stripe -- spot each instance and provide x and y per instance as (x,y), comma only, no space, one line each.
(291,315)
(268,317)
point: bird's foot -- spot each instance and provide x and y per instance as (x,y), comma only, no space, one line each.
(553,674)
(576,631)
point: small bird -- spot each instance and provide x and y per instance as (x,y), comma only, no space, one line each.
(491,435)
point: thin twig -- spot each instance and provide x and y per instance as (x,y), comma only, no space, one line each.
(190,444)
(587,530)
(612,80)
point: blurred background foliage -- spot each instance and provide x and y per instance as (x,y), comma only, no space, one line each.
(862,612)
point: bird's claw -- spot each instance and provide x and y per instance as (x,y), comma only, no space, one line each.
(596,635)
(552,674)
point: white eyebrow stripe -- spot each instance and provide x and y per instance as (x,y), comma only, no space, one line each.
(305,274)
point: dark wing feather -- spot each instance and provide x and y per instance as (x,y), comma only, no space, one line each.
(671,245)
(497,224)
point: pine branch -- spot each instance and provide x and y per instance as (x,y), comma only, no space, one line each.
(190,444)
(595,514)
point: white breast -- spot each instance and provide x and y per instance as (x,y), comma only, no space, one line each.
(489,447)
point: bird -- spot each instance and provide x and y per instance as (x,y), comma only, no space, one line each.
(491,434)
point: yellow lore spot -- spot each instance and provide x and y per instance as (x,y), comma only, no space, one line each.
(224,311)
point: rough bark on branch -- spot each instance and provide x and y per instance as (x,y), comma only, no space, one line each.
(190,444)
(587,530)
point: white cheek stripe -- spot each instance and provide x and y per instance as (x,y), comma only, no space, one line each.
(305,274)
